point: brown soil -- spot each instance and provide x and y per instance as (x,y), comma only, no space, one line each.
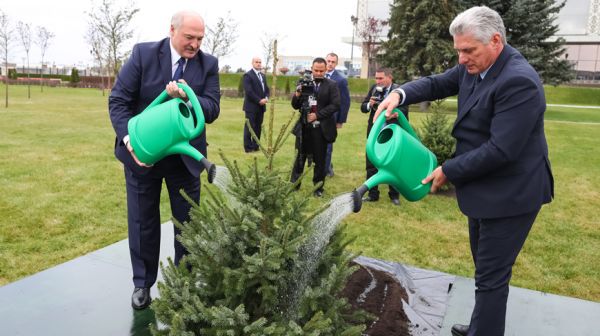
(381,295)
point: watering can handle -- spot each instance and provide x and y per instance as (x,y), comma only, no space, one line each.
(378,125)
(197,109)
(195,104)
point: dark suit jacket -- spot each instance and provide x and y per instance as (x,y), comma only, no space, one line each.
(253,92)
(143,77)
(328,102)
(342,83)
(501,165)
(364,109)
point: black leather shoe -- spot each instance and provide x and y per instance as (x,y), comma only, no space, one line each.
(460,330)
(140,298)
(395,201)
(370,199)
(318,193)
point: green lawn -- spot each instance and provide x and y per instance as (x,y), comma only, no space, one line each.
(63,192)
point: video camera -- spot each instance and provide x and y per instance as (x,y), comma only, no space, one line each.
(306,84)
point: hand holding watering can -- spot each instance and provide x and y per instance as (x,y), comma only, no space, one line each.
(165,128)
(437,178)
(401,160)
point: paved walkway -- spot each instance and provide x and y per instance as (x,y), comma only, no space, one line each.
(90,295)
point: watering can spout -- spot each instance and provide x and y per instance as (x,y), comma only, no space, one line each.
(211,169)
(357,195)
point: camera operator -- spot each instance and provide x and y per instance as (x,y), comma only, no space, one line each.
(379,91)
(317,98)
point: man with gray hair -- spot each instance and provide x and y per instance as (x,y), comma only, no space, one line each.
(500,169)
(155,67)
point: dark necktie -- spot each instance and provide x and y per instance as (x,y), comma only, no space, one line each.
(179,71)
(328,75)
(262,85)
(475,84)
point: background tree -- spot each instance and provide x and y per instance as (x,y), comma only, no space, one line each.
(74,77)
(98,51)
(24,30)
(43,38)
(369,30)
(435,132)
(225,69)
(530,25)
(268,41)
(419,43)
(5,41)
(221,38)
(112,26)
(284,70)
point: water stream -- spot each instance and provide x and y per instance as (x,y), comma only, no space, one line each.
(323,226)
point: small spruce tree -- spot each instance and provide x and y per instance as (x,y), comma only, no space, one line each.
(246,257)
(436,132)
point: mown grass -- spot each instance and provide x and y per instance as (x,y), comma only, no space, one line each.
(63,193)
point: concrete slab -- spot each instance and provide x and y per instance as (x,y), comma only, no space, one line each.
(530,313)
(89,295)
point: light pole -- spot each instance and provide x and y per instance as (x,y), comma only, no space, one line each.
(354,20)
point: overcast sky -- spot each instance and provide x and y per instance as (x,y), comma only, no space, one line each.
(308,27)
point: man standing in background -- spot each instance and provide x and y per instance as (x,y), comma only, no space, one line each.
(316,126)
(256,96)
(341,115)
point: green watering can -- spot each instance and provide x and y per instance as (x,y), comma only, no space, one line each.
(401,159)
(165,128)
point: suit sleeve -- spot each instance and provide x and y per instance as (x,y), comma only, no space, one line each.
(211,97)
(516,110)
(363,106)
(333,105)
(125,93)
(342,116)
(296,102)
(433,87)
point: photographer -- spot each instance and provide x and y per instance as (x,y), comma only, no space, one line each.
(379,91)
(317,98)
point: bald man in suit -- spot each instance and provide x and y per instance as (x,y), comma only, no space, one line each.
(153,68)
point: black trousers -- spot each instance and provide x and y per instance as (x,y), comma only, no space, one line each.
(371,170)
(312,143)
(143,214)
(495,245)
(256,120)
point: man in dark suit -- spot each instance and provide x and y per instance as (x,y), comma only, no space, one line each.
(342,115)
(316,126)
(152,68)
(384,84)
(500,169)
(256,96)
